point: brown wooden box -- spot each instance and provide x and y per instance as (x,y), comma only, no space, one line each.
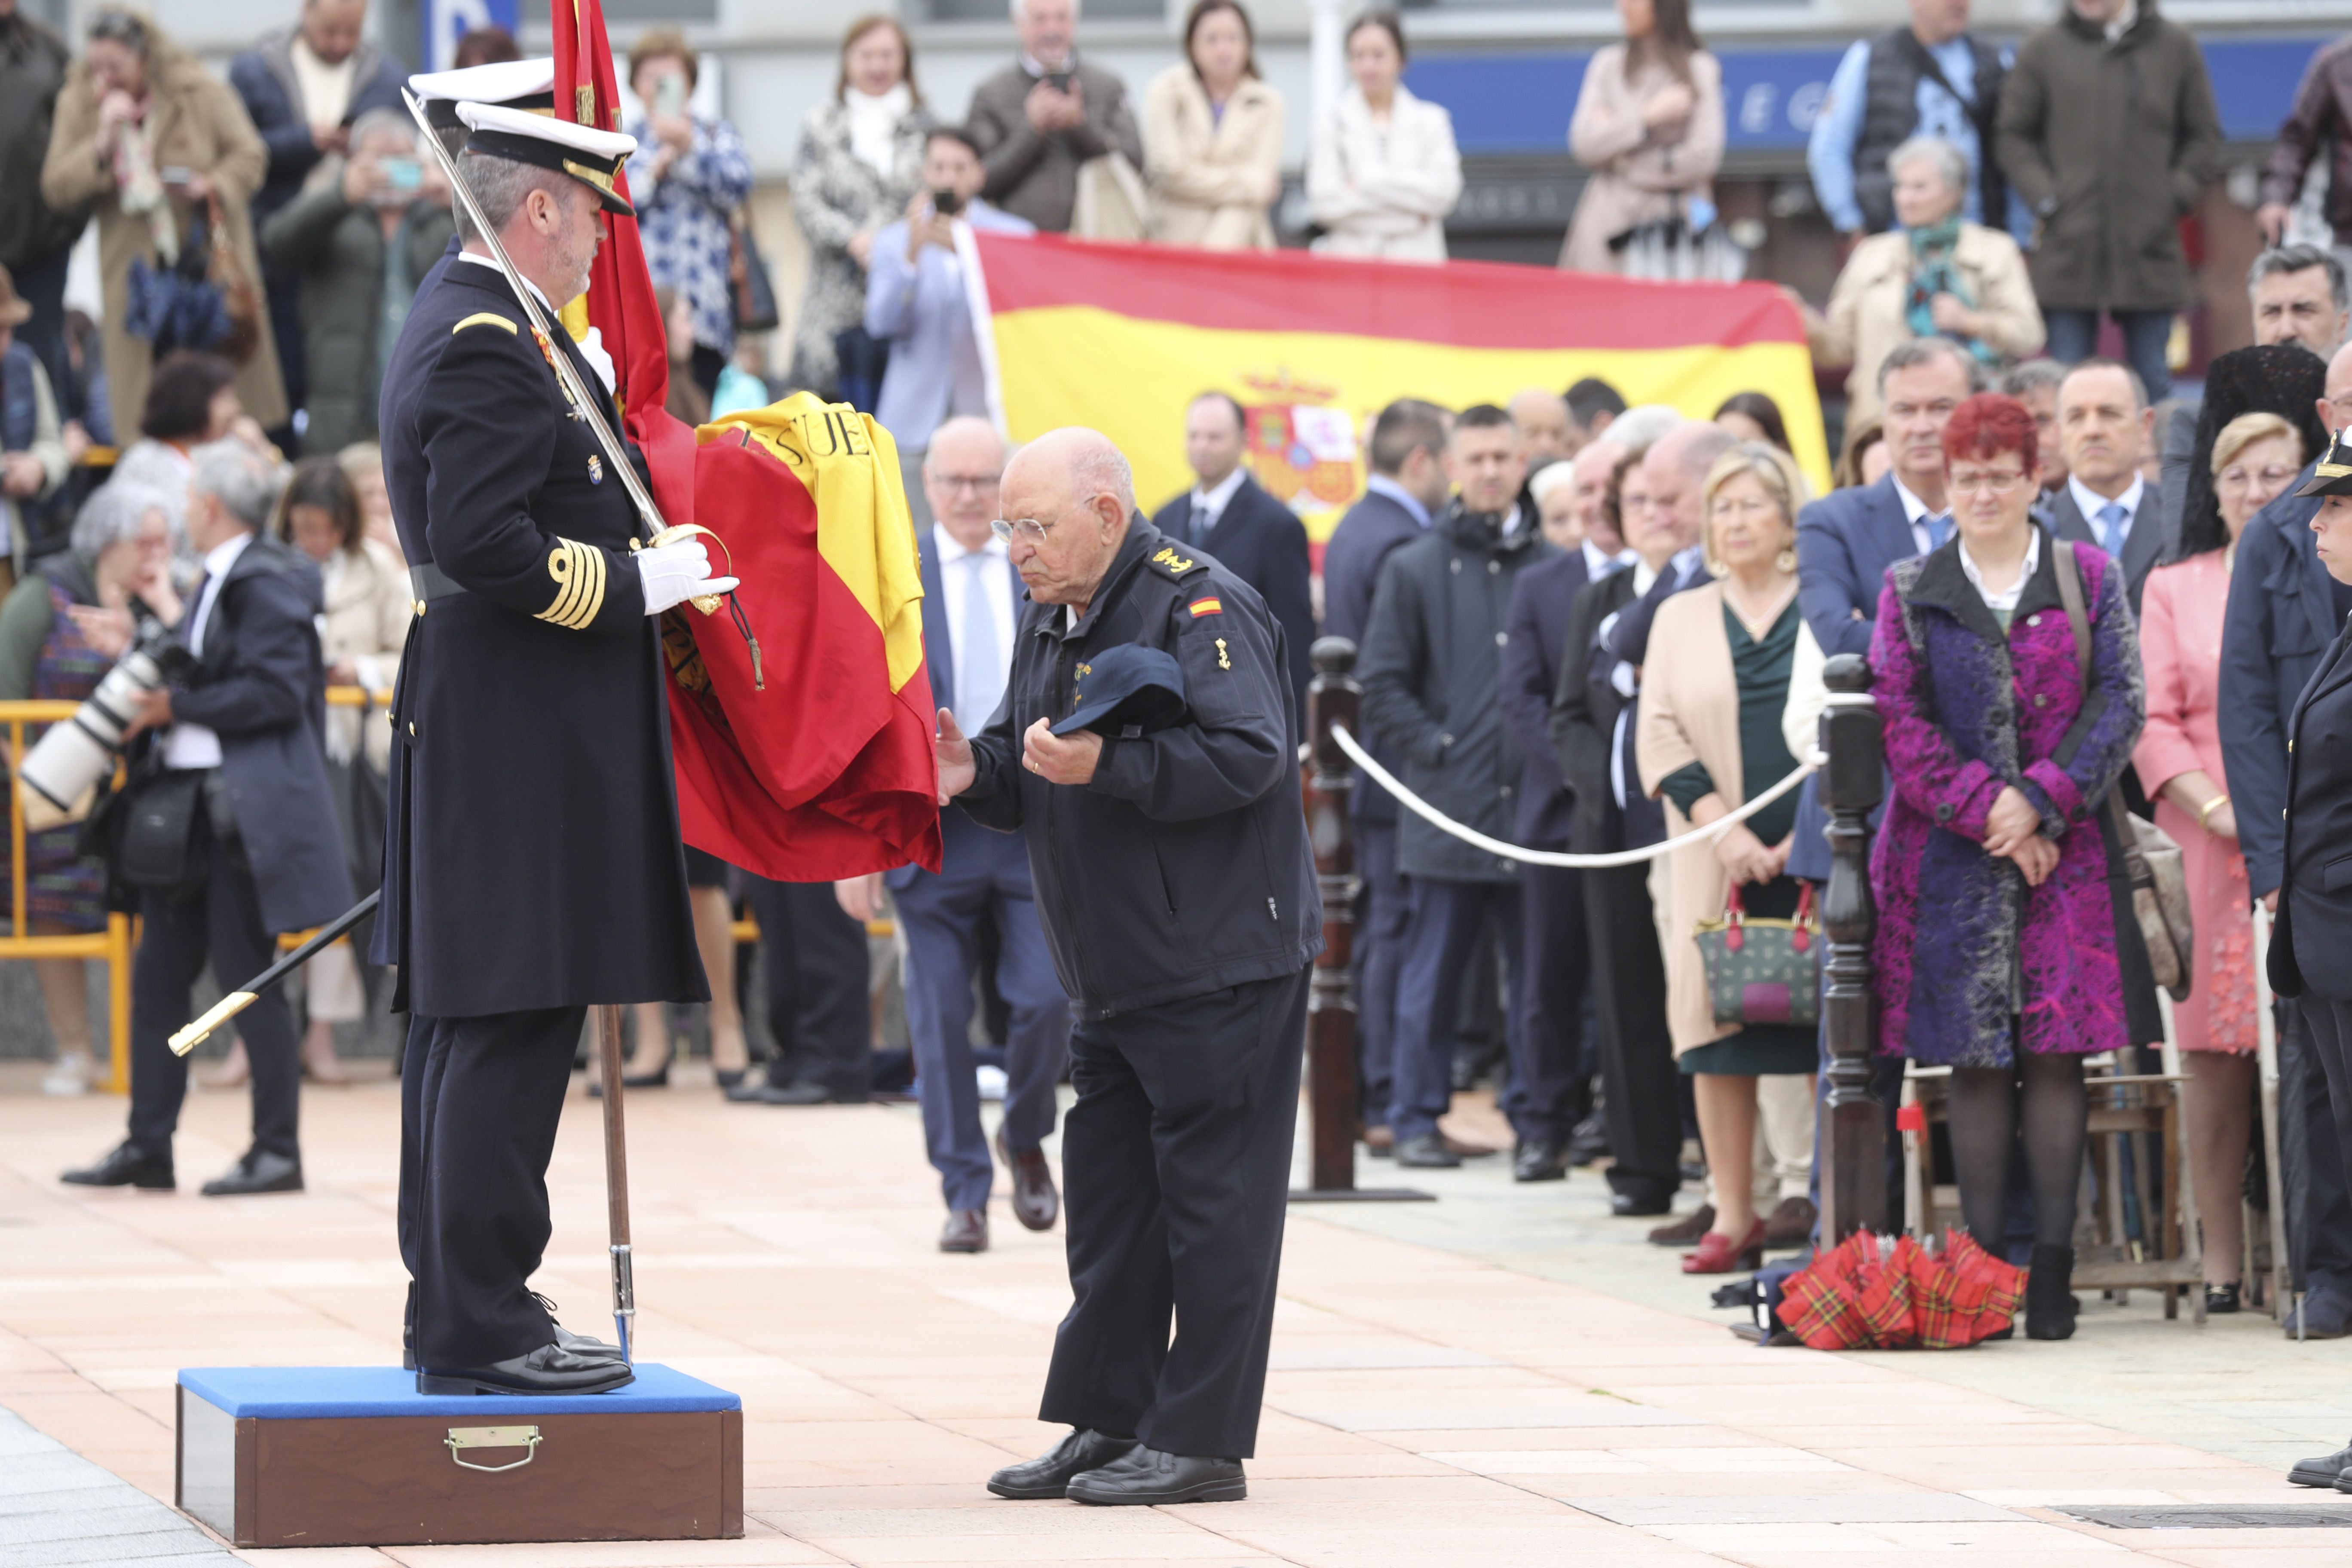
(354,1457)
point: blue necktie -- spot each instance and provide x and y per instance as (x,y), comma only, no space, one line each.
(980,667)
(1938,525)
(1199,524)
(2112,518)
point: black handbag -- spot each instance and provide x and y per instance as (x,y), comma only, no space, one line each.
(158,850)
(749,287)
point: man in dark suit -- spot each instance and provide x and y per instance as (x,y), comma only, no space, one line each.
(972,603)
(239,743)
(2308,955)
(1228,515)
(1559,950)
(1406,487)
(2283,612)
(2104,426)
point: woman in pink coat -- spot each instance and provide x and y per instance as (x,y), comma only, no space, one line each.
(2179,757)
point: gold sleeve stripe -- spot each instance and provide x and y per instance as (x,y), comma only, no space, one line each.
(483,318)
(578,573)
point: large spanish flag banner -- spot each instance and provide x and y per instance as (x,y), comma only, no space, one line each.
(1122,337)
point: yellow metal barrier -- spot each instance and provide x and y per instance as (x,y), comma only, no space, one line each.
(111,946)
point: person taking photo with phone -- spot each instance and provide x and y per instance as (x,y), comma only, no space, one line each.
(691,176)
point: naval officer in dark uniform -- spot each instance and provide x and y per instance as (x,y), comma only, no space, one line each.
(2311,947)
(531,861)
(1179,899)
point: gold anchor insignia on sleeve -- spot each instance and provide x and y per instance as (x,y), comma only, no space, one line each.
(1223,662)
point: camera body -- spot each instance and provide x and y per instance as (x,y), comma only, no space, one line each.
(946,204)
(62,771)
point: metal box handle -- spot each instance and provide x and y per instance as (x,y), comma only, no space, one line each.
(463,1438)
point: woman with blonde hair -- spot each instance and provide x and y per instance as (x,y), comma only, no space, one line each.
(1213,137)
(1709,739)
(2180,758)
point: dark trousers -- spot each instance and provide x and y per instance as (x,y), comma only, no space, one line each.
(43,286)
(813,959)
(2073,334)
(2316,1125)
(1554,1093)
(479,1100)
(1384,908)
(942,917)
(1447,916)
(1177,1157)
(1640,1096)
(222,922)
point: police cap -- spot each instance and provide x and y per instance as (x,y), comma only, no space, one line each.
(593,157)
(2332,475)
(526,85)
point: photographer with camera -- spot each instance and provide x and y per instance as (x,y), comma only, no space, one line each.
(225,835)
(363,232)
(915,301)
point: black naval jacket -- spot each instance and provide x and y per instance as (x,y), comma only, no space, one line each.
(2310,942)
(531,856)
(1182,869)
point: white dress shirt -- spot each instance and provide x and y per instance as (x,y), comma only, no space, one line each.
(2003,604)
(2090,503)
(189,745)
(1599,563)
(591,347)
(1209,506)
(956,566)
(1917,513)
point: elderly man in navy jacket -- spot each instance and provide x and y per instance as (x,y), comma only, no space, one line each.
(972,601)
(240,740)
(2285,610)
(1229,515)
(1407,486)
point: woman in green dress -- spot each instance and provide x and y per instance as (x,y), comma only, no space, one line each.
(1709,739)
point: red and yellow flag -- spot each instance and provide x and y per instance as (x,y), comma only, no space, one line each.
(1122,337)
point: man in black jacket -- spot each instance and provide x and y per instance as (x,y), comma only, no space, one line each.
(1180,901)
(238,745)
(1229,515)
(1432,671)
(34,238)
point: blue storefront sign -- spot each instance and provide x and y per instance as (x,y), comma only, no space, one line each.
(1520,103)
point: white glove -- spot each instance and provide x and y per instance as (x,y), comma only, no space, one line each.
(673,574)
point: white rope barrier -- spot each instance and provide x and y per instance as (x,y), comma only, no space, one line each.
(1496,846)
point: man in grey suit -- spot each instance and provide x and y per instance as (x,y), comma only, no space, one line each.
(1048,112)
(2103,426)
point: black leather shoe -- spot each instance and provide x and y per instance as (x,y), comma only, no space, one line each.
(2327,1471)
(259,1172)
(2048,1305)
(580,1344)
(966,1231)
(2222,1300)
(125,1166)
(1426,1153)
(1049,1475)
(1035,1204)
(1146,1476)
(1539,1161)
(761,1093)
(549,1369)
(1635,1206)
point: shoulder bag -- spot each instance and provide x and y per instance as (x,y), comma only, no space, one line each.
(1763,971)
(2159,881)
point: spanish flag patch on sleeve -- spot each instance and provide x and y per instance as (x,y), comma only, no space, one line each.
(1206,607)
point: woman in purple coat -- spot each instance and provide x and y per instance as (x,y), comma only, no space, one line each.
(1996,949)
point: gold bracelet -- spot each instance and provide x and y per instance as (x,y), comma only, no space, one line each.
(2207,810)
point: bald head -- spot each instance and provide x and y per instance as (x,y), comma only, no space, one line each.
(1068,495)
(959,479)
(2335,403)
(1594,466)
(1676,467)
(1540,420)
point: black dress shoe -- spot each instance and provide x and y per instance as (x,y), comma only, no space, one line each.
(1047,1475)
(1035,1204)
(1426,1153)
(579,1343)
(1539,1161)
(965,1231)
(729,1078)
(2327,1471)
(761,1093)
(126,1166)
(2222,1300)
(1633,1205)
(2048,1305)
(549,1369)
(259,1172)
(1146,1476)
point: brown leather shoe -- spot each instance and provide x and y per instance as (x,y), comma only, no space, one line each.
(1035,1204)
(1685,1232)
(965,1231)
(1790,1224)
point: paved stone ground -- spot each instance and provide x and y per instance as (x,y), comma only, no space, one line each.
(1504,1377)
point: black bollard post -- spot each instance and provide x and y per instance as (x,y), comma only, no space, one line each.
(1334,699)
(1854,1187)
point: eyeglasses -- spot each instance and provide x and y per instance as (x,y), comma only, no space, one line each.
(2236,478)
(956,483)
(1028,529)
(1995,481)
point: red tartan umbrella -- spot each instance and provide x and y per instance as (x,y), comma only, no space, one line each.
(1891,1293)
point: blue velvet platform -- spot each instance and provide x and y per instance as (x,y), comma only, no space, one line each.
(330,1455)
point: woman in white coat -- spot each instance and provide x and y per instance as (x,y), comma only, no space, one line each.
(1384,170)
